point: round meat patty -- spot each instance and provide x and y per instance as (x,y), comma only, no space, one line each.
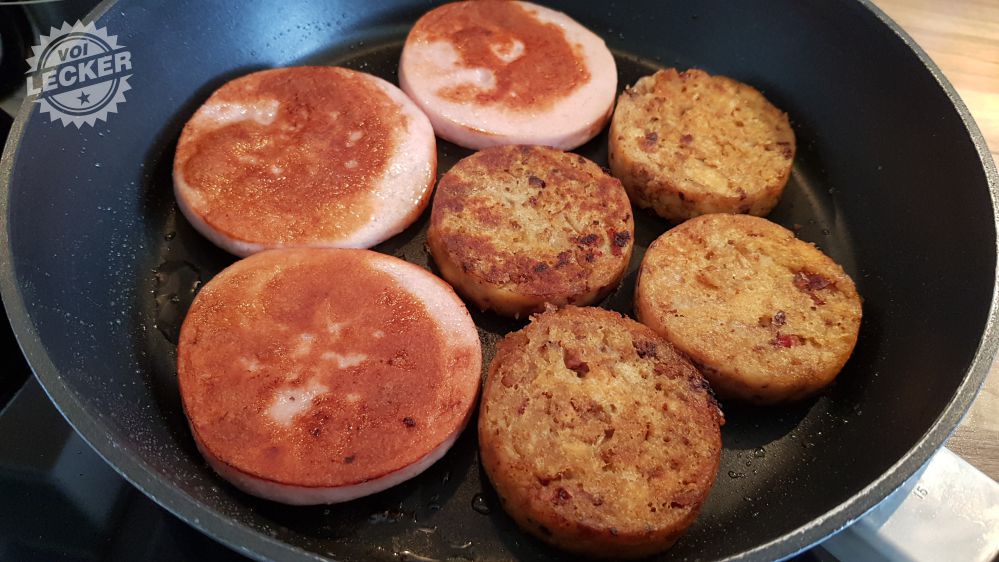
(598,436)
(493,72)
(318,376)
(768,318)
(688,143)
(304,157)
(516,227)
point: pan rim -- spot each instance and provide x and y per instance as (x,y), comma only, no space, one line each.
(859,504)
(255,544)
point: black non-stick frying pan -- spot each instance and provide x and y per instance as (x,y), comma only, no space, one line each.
(892,180)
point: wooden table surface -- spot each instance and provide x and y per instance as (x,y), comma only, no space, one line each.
(962,37)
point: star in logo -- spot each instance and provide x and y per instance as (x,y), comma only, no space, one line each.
(84,98)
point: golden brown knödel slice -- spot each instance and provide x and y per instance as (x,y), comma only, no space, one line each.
(688,143)
(515,227)
(598,436)
(768,317)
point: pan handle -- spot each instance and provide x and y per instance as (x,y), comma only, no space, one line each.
(948,510)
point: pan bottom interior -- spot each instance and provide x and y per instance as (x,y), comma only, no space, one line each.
(450,511)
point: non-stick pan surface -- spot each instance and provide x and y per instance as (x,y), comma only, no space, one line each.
(892,180)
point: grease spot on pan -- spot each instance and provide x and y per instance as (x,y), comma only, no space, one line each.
(177,282)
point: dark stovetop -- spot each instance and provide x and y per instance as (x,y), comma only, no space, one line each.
(62,503)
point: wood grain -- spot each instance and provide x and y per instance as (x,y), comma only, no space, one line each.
(962,37)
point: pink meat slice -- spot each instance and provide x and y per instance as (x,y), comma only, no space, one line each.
(313,376)
(304,157)
(491,73)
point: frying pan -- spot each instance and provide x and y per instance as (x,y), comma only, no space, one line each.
(892,180)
